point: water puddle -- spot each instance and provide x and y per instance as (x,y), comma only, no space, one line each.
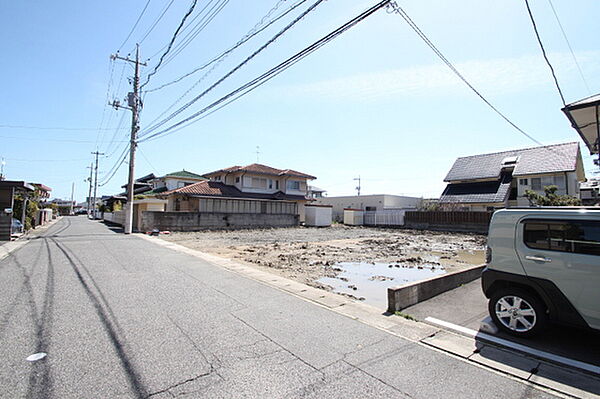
(371,280)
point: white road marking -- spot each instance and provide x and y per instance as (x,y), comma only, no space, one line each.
(513,345)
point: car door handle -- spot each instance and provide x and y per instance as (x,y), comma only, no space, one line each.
(538,258)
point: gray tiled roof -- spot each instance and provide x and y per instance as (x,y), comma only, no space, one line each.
(546,159)
(480,192)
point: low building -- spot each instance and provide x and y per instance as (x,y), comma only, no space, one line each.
(377,202)
(498,180)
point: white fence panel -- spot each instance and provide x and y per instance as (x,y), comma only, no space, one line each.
(386,217)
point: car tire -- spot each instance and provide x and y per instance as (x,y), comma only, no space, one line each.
(517,312)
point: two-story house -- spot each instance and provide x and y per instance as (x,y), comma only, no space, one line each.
(498,180)
(259,186)
(174,180)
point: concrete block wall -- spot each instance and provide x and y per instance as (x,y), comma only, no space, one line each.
(117,217)
(194,221)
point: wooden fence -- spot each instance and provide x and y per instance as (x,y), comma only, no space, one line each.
(448,220)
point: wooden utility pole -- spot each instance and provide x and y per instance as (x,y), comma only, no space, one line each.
(96,153)
(133,100)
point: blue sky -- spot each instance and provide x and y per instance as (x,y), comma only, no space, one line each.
(375,102)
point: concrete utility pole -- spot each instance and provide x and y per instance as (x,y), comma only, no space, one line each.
(89,209)
(96,153)
(72,196)
(358,188)
(134,102)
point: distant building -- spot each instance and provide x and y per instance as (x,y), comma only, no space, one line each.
(377,202)
(589,192)
(315,192)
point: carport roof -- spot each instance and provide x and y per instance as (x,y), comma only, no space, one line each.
(22,185)
(583,115)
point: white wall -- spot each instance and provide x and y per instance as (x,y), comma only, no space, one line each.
(376,202)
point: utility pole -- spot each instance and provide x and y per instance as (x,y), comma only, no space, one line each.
(257,153)
(96,153)
(2,163)
(89,209)
(72,196)
(134,102)
(358,188)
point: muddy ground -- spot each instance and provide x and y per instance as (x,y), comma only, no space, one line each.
(307,254)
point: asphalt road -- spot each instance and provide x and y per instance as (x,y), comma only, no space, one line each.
(121,317)
(467,306)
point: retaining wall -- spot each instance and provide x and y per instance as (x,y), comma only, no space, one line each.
(409,294)
(194,221)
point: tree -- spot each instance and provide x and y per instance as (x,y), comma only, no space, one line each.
(550,198)
(30,212)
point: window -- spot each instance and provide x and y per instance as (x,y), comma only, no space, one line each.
(293,185)
(370,208)
(559,181)
(237,179)
(582,237)
(270,184)
(258,182)
(276,184)
(536,183)
(510,161)
(523,182)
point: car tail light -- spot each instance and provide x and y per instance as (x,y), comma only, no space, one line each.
(488,255)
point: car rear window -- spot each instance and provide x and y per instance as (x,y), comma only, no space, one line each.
(582,237)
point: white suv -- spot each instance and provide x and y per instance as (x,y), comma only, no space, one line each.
(543,264)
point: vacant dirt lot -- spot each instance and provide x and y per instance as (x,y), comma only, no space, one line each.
(307,254)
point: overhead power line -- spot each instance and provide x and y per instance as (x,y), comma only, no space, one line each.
(570,48)
(198,28)
(164,11)
(190,25)
(49,139)
(162,57)
(265,77)
(398,10)
(537,35)
(252,33)
(235,69)
(134,26)
(113,170)
(52,128)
